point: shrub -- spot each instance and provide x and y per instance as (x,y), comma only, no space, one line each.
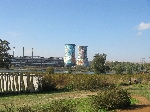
(8,108)
(69,70)
(61,105)
(48,83)
(25,109)
(75,82)
(54,81)
(111,99)
(50,70)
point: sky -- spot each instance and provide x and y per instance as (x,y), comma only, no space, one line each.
(118,28)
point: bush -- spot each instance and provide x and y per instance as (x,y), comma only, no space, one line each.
(25,109)
(50,70)
(48,83)
(61,105)
(8,108)
(75,82)
(52,82)
(111,99)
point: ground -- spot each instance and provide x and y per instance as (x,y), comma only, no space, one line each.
(142,106)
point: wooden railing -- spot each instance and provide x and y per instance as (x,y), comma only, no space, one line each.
(19,82)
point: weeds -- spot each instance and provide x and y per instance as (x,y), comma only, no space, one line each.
(111,99)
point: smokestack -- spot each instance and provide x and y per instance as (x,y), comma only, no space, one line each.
(23,54)
(13,52)
(32,55)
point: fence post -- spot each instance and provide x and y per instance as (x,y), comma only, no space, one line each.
(0,84)
(6,83)
(13,83)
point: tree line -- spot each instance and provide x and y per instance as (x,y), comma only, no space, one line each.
(99,64)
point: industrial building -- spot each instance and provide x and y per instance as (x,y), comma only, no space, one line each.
(82,56)
(69,58)
(37,61)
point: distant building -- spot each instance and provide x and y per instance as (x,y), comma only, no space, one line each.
(37,61)
(69,58)
(82,56)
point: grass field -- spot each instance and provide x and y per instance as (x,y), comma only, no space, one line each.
(41,100)
(38,101)
(35,100)
(140,90)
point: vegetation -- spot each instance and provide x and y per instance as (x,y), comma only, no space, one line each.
(4,55)
(62,105)
(50,70)
(108,97)
(44,104)
(98,63)
(75,82)
(119,69)
(111,99)
(69,70)
(128,67)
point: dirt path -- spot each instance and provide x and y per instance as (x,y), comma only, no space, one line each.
(142,106)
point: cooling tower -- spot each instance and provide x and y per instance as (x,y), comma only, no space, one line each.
(69,58)
(82,56)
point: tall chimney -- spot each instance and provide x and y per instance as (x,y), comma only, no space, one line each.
(32,55)
(13,52)
(23,54)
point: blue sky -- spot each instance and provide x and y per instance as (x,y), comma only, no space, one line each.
(118,28)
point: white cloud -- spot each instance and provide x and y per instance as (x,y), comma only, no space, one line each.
(139,33)
(143,26)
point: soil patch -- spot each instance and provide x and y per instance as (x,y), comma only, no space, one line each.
(142,106)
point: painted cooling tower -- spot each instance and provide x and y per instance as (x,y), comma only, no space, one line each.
(82,56)
(69,58)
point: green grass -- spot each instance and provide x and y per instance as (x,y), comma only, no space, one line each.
(44,100)
(37,100)
(140,90)
(134,101)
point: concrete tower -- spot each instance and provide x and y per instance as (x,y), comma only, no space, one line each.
(69,58)
(82,56)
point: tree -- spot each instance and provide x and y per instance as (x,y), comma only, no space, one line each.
(50,70)
(98,63)
(4,55)
(69,70)
(79,68)
(119,69)
(129,69)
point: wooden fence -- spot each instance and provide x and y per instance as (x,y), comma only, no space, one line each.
(19,82)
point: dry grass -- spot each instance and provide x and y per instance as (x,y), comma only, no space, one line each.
(35,100)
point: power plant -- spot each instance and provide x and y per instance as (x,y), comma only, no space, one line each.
(37,61)
(69,58)
(82,56)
